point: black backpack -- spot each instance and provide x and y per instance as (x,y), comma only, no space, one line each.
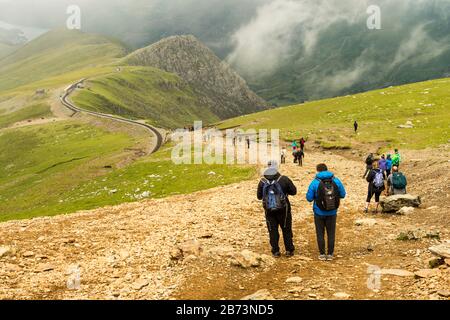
(369,160)
(328,196)
(274,198)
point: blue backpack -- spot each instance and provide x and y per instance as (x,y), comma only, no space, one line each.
(274,198)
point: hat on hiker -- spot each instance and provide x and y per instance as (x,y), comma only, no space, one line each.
(272,168)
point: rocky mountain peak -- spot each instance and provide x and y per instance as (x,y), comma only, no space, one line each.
(220,87)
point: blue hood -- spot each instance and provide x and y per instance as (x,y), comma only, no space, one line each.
(325,175)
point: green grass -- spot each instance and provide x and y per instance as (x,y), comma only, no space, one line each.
(55,53)
(35,111)
(144,93)
(154,177)
(379,113)
(40,178)
(40,164)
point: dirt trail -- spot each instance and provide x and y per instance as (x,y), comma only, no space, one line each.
(128,251)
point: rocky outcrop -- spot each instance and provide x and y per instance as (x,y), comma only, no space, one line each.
(220,87)
(442,250)
(396,203)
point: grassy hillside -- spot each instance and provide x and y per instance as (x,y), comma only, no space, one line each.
(65,167)
(34,111)
(144,93)
(6,49)
(379,113)
(55,53)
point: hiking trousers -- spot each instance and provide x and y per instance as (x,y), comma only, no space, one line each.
(328,224)
(276,220)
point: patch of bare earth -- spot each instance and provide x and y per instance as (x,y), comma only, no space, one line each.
(214,244)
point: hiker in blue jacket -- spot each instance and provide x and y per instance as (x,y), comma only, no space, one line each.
(326,191)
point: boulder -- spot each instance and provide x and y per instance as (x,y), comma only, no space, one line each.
(395,203)
(246,259)
(263,294)
(442,250)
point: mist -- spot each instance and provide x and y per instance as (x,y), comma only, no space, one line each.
(288,50)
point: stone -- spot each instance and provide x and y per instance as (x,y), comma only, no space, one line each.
(246,259)
(409,236)
(394,203)
(427,273)
(442,250)
(45,267)
(5,251)
(366,222)
(341,295)
(140,284)
(406,210)
(176,254)
(12,267)
(28,254)
(444,293)
(190,258)
(294,280)
(435,262)
(191,247)
(263,294)
(397,272)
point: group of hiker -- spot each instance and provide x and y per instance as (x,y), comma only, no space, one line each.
(298,152)
(326,191)
(384,175)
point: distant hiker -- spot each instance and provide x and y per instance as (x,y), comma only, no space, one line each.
(326,191)
(283,155)
(396,159)
(356,125)
(248,142)
(376,180)
(382,164)
(396,182)
(302,144)
(369,164)
(298,156)
(388,165)
(274,191)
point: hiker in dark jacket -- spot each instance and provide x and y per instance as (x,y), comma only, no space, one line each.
(299,155)
(356,125)
(325,219)
(369,164)
(376,179)
(281,217)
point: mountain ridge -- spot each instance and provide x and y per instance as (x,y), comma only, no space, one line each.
(223,89)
